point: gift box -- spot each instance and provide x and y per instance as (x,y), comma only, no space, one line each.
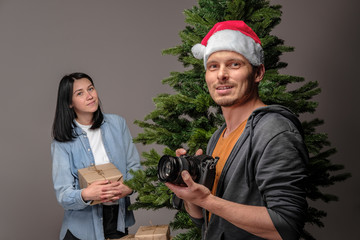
(157,232)
(94,173)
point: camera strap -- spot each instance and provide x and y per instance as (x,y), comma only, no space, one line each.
(177,202)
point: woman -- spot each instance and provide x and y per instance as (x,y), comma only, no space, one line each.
(83,136)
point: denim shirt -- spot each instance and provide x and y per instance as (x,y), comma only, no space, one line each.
(82,219)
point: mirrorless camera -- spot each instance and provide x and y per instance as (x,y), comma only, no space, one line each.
(201,169)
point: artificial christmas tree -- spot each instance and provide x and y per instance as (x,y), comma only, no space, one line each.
(189,117)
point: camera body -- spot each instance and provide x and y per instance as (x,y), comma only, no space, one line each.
(201,169)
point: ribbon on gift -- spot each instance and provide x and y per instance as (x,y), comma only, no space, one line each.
(99,171)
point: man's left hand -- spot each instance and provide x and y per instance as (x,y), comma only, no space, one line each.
(193,192)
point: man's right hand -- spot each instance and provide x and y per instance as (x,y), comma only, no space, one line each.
(181,151)
(194,210)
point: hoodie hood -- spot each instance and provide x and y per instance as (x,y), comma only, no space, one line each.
(285,112)
(257,115)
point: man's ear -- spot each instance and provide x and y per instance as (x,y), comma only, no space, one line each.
(260,72)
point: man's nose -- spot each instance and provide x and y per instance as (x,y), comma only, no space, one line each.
(223,74)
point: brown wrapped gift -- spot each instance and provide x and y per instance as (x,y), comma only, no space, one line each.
(157,232)
(94,173)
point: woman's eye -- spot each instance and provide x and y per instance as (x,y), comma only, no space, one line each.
(91,88)
(79,94)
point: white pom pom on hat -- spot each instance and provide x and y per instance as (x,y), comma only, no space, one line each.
(198,50)
(231,36)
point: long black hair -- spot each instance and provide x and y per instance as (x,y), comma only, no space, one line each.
(63,125)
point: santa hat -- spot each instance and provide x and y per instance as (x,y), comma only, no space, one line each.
(231,36)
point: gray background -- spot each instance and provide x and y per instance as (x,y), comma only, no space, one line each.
(119,43)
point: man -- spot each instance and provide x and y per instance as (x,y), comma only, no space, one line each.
(258,191)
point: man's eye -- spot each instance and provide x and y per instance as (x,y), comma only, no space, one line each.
(235,65)
(213,66)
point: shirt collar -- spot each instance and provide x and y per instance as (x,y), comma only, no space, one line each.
(78,131)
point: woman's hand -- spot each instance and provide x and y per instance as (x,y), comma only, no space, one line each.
(117,190)
(105,191)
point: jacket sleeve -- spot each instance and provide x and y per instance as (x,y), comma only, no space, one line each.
(280,176)
(132,155)
(64,182)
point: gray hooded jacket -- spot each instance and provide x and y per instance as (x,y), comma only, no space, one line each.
(265,168)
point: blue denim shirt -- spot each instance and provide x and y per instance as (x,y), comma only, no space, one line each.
(83,220)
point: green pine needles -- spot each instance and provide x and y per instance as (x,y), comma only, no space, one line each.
(189,117)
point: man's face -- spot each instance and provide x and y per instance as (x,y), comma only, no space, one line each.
(230,78)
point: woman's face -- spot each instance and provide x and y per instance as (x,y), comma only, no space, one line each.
(84,98)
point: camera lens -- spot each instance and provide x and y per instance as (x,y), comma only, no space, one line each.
(169,169)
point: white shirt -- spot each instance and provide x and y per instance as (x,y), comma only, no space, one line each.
(97,148)
(96,144)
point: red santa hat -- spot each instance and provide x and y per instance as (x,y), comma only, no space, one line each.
(231,36)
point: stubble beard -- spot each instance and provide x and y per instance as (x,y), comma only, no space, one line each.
(250,94)
(227,102)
